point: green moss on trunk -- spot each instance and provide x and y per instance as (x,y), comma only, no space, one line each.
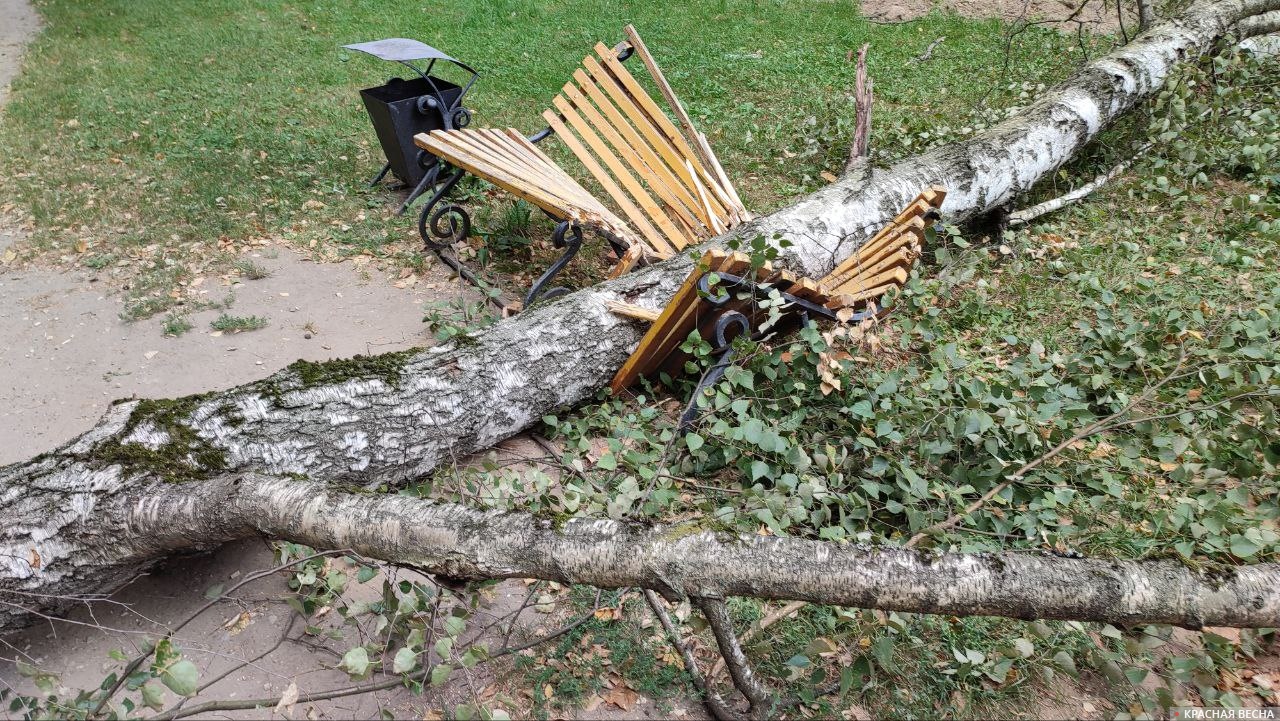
(185,456)
(387,367)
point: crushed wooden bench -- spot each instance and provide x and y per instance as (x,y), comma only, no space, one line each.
(722,310)
(664,187)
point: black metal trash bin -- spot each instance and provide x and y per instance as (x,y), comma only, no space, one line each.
(402,108)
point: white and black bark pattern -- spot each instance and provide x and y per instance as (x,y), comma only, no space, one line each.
(679,562)
(387,419)
(991,169)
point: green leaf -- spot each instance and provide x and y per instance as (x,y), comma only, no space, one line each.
(366,574)
(1063,660)
(355,661)
(1242,547)
(694,441)
(798,660)
(759,469)
(153,695)
(454,626)
(405,661)
(607,462)
(440,673)
(182,677)
(471,658)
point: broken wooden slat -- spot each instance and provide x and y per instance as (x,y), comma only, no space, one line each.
(677,161)
(674,324)
(696,139)
(629,259)
(627,310)
(655,165)
(655,114)
(632,155)
(671,237)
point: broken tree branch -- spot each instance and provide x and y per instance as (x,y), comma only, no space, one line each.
(862,98)
(715,704)
(760,698)
(467,543)
(1022,217)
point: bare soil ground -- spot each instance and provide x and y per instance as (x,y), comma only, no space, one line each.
(1094,16)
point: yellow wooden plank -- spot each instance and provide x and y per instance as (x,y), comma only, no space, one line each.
(498,176)
(630,155)
(629,259)
(855,299)
(902,250)
(557,186)
(516,137)
(696,139)
(914,227)
(627,310)
(638,143)
(651,110)
(676,316)
(895,275)
(681,167)
(500,145)
(934,195)
(649,233)
(638,193)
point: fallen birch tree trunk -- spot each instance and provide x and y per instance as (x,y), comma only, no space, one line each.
(679,561)
(75,520)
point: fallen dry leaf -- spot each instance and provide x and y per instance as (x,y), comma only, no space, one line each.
(622,697)
(287,700)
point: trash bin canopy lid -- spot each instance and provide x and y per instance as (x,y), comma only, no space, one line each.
(399,50)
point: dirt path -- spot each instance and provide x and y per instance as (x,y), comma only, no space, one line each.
(18,24)
(68,355)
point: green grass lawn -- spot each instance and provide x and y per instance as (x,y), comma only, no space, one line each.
(141,133)
(153,140)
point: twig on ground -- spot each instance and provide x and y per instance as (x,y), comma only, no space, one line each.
(759,696)
(241,704)
(714,702)
(928,52)
(1026,215)
(141,658)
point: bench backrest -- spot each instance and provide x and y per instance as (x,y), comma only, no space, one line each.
(665,187)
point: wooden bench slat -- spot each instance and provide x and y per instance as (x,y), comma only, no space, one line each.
(660,175)
(659,118)
(676,161)
(696,139)
(500,144)
(630,155)
(648,233)
(672,236)
(895,276)
(672,326)
(484,168)
(556,185)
